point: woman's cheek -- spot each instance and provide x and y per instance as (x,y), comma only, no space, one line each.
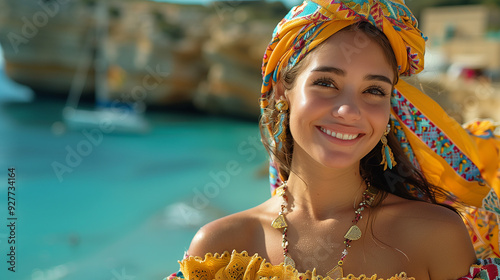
(378,116)
(380,108)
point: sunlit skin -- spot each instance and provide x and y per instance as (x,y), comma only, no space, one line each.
(347,94)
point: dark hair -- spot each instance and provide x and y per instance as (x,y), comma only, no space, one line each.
(404,180)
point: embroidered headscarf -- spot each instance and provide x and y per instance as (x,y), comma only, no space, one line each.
(461,161)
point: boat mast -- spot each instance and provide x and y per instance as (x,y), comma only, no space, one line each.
(101,61)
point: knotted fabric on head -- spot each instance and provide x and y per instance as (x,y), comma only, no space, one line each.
(462,161)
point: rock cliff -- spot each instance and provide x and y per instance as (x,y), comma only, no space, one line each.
(156,53)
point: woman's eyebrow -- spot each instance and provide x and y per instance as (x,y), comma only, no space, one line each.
(329,69)
(380,78)
(340,72)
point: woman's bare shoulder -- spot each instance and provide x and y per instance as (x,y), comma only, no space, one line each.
(411,210)
(438,235)
(237,231)
(424,221)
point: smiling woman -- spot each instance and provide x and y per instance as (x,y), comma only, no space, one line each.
(347,96)
(369,175)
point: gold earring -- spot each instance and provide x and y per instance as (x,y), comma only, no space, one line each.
(387,156)
(280,127)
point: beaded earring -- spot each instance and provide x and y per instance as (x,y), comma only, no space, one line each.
(387,156)
(280,127)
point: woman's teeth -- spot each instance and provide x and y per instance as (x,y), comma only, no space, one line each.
(338,135)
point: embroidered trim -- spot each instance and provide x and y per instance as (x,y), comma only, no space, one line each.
(434,138)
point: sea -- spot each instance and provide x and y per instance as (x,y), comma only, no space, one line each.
(97,203)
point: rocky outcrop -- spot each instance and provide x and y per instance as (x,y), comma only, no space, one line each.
(42,42)
(156,53)
(237,40)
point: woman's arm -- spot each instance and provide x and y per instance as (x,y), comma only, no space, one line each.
(450,250)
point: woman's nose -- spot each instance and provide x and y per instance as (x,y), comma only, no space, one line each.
(346,107)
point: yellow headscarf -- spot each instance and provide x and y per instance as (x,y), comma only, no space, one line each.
(462,161)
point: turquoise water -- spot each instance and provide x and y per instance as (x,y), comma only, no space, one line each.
(129,208)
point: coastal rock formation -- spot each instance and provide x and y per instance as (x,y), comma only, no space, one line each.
(155,53)
(42,42)
(234,54)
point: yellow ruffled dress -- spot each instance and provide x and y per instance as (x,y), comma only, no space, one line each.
(241,266)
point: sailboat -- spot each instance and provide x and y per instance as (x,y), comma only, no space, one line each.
(110,115)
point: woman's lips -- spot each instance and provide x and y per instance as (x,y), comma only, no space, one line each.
(344,137)
(339,135)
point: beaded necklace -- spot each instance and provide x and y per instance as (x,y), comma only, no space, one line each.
(354,232)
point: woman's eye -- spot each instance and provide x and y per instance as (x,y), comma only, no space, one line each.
(325,83)
(376,91)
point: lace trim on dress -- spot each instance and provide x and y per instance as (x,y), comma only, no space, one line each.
(236,266)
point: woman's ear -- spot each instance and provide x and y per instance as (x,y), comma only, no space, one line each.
(279,91)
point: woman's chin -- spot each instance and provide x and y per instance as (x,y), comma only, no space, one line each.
(338,161)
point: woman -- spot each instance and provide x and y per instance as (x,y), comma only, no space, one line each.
(366,167)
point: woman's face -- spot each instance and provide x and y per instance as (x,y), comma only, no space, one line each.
(340,102)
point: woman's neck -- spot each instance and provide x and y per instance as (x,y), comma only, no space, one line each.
(321,191)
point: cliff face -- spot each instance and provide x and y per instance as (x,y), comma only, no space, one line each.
(233,52)
(156,53)
(42,41)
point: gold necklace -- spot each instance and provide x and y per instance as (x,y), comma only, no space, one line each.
(354,232)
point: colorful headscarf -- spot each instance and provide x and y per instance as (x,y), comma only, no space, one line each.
(462,161)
